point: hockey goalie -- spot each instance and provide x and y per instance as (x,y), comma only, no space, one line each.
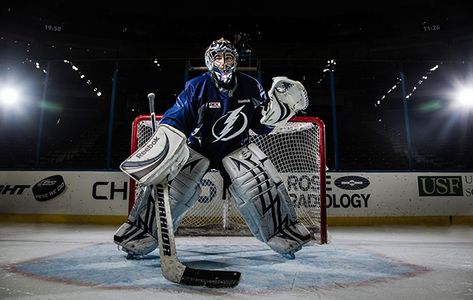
(208,128)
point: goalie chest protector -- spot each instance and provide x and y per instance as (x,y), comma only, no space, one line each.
(218,122)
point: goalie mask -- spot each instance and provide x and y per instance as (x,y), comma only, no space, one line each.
(221,60)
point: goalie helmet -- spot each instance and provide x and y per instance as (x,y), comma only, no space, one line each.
(221,59)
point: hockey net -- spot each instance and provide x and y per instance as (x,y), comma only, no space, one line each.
(298,152)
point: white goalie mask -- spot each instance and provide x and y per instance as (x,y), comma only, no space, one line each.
(221,59)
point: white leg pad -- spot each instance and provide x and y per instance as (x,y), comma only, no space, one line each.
(263,200)
(184,189)
(135,236)
(138,235)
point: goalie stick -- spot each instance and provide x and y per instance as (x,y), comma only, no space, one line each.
(171,268)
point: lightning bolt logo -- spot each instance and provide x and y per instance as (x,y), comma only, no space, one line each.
(227,132)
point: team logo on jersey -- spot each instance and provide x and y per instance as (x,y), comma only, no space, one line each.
(215,105)
(230,125)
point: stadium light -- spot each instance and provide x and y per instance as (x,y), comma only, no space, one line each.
(464,97)
(9,96)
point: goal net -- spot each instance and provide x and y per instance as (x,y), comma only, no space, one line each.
(297,150)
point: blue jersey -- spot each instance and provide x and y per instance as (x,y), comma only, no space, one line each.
(215,121)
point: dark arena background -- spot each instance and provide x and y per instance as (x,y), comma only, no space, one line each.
(103,59)
(391,82)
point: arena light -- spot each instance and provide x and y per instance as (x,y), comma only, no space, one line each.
(82,76)
(417,84)
(9,96)
(464,97)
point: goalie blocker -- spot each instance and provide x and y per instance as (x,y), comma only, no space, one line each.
(161,157)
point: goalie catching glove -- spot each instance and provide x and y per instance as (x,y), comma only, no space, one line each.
(287,97)
(161,157)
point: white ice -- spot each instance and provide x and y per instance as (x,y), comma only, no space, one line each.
(443,254)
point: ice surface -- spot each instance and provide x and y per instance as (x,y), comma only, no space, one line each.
(45,261)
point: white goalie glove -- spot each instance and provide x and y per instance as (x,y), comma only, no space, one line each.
(161,157)
(287,97)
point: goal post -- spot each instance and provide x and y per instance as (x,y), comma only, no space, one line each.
(297,150)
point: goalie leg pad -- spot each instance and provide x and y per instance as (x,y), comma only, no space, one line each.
(135,236)
(138,235)
(184,189)
(134,240)
(290,240)
(263,200)
(161,157)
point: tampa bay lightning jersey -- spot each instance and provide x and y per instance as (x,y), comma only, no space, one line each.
(217,121)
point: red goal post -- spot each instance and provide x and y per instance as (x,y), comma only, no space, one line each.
(298,152)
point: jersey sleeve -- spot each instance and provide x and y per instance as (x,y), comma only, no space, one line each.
(183,114)
(261,101)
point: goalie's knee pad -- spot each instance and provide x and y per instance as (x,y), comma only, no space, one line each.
(160,158)
(263,200)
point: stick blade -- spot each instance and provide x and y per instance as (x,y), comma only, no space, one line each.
(210,278)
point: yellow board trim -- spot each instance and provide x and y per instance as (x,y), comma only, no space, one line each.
(400,220)
(73,219)
(463,220)
(331,221)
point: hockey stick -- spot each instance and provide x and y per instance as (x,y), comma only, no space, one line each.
(171,268)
